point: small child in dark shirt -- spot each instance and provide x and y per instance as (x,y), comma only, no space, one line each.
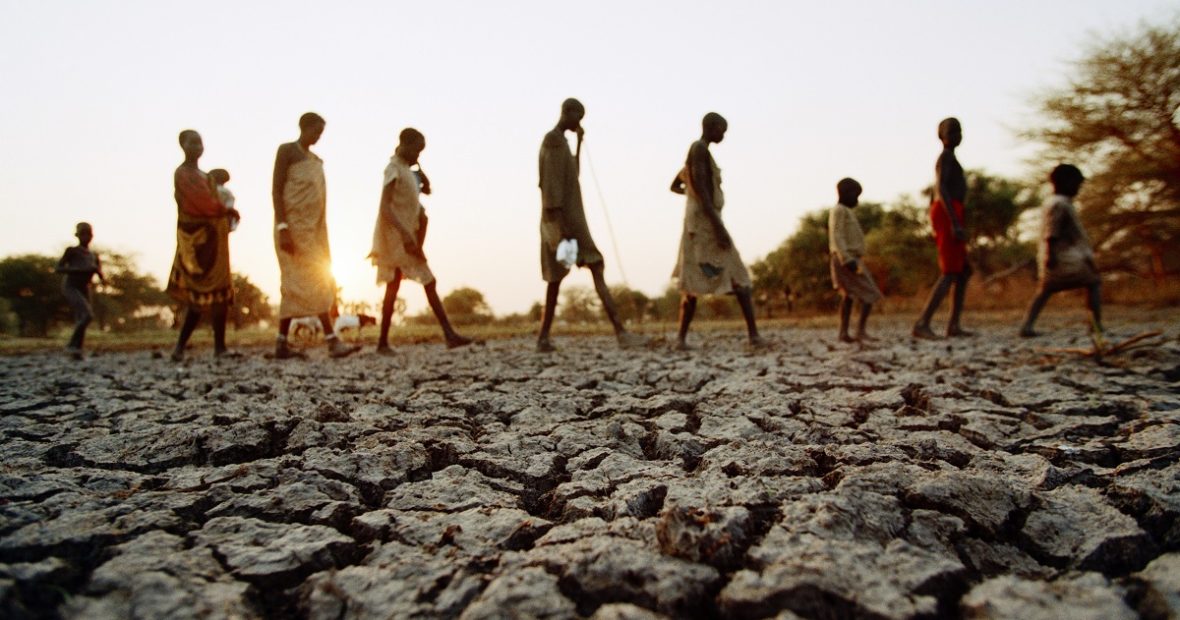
(79,265)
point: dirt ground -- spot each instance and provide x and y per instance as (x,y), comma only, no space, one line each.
(986,477)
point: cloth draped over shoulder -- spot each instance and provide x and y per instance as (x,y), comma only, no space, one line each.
(306,285)
(1073,257)
(561,202)
(846,243)
(702,267)
(389,252)
(200,275)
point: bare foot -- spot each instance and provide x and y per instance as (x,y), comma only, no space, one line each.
(456,341)
(1027,332)
(958,332)
(846,338)
(684,346)
(177,355)
(924,332)
(544,346)
(338,349)
(757,343)
(283,351)
(385,351)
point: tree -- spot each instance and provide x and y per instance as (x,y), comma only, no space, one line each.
(1118,118)
(129,300)
(467,306)
(251,305)
(579,304)
(900,250)
(33,293)
(632,304)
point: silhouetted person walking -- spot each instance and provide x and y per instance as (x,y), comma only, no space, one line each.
(301,239)
(846,244)
(200,277)
(563,217)
(398,235)
(708,263)
(1065,259)
(79,265)
(950,235)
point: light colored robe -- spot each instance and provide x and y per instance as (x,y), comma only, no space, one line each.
(1074,260)
(389,253)
(702,267)
(306,285)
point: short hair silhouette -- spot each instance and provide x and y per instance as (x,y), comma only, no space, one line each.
(408,134)
(1066,174)
(311,118)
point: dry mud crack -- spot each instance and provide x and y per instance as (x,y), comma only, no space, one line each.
(974,478)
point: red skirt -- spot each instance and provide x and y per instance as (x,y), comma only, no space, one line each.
(952,253)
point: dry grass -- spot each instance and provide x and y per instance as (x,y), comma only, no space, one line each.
(1064,309)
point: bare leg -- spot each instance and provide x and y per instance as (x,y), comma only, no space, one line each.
(625,338)
(954,327)
(551,292)
(865,309)
(608,302)
(282,350)
(1094,301)
(387,305)
(220,315)
(453,339)
(326,324)
(336,348)
(845,315)
(192,316)
(937,294)
(1034,310)
(688,309)
(746,301)
(82,317)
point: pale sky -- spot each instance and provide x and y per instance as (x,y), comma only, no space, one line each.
(96,92)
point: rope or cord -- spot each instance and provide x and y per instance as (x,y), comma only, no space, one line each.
(610,229)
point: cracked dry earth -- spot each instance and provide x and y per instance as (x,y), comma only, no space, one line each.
(814,480)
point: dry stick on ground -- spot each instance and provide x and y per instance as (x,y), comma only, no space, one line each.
(1101,348)
(1007,272)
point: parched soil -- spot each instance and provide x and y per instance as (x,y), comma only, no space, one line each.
(982,477)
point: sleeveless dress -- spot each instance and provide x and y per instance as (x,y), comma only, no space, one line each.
(561,196)
(702,267)
(307,285)
(388,253)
